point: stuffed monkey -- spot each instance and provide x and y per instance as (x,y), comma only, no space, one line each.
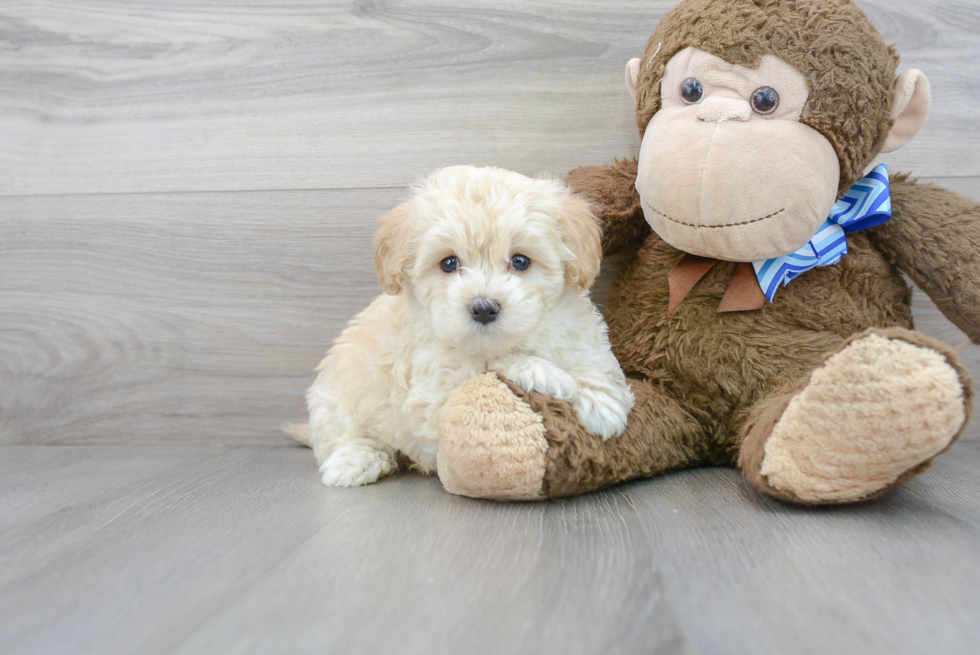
(763,321)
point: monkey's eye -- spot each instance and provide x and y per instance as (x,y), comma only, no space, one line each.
(691,91)
(520,262)
(449,264)
(765,100)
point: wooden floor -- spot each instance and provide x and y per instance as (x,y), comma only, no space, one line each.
(187,196)
(189,549)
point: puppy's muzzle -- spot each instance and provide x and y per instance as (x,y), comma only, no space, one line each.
(484,310)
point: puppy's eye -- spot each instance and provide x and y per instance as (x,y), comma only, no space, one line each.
(520,262)
(692,91)
(449,264)
(765,100)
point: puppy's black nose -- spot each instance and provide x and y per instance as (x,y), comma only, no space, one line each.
(484,310)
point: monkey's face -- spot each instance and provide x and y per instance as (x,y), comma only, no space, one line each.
(726,168)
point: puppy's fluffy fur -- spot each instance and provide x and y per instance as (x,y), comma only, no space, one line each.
(381,387)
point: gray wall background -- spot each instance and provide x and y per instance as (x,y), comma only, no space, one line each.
(188,191)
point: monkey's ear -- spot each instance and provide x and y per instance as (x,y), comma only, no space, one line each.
(913,98)
(632,75)
(582,236)
(391,249)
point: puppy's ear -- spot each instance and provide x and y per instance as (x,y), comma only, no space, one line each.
(391,249)
(582,236)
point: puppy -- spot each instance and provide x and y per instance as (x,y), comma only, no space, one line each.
(485,270)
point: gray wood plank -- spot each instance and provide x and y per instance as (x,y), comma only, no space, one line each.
(131,569)
(103,96)
(54,499)
(24,499)
(181,317)
(241,550)
(173,318)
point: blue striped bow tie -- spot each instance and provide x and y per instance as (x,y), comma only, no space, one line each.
(866,204)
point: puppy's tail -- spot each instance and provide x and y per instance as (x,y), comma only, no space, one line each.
(300,432)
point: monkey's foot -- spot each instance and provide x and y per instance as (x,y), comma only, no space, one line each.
(491,443)
(873,416)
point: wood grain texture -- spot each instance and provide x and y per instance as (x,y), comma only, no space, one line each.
(186,317)
(178,549)
(110,96)
(174,317)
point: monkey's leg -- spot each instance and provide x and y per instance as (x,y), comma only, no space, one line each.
(873,416)
(497,441)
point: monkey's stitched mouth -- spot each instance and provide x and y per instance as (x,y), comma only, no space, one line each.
(712,227)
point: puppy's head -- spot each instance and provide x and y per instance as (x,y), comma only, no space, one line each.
(483,253)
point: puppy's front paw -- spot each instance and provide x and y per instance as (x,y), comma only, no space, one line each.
(538,374)
(602,413)
(354,466)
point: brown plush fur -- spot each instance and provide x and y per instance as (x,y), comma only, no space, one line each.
(850,70)
(698,373)
(708,372)
(612,189)
(661,437)
(939,248)
(710,386)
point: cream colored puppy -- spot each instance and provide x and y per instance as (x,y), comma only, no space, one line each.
(484,270)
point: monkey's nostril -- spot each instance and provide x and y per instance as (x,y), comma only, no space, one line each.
(720,110)
(484,310)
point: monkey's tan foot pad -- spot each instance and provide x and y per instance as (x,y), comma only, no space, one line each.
(491,444)
(873,416)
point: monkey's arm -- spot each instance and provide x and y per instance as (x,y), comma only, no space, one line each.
(934,237)
(612,193)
